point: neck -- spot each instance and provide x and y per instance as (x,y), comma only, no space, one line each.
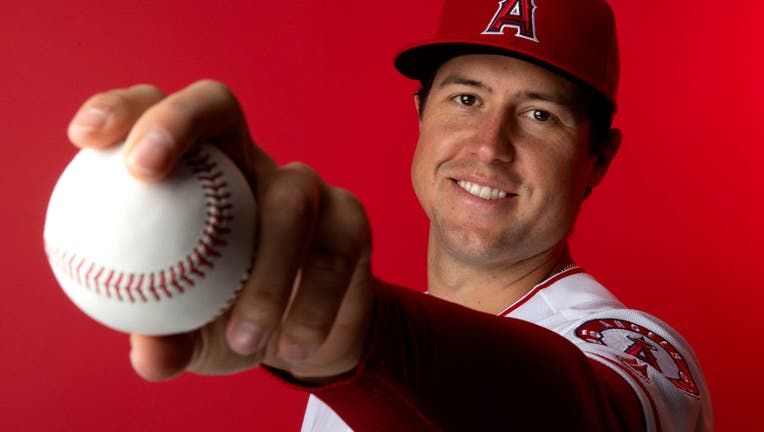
(492,288)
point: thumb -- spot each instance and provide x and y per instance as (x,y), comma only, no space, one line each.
(160,358)
(203,352)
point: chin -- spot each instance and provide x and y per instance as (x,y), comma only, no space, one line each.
(474,249)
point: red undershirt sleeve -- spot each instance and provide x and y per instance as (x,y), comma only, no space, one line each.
(435,365)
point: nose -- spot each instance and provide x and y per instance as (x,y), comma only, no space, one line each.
(493,142)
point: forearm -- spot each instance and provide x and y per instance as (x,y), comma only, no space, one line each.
(431,365)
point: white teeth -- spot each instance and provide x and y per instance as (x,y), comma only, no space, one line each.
(484,192)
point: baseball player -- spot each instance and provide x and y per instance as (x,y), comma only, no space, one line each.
(515,132)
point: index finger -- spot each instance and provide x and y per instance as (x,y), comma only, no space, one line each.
(205,111)
(106,118)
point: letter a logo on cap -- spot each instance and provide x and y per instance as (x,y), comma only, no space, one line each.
(517,14)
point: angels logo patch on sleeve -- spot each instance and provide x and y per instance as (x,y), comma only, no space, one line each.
(643,349)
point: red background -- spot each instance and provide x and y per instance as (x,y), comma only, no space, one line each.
(675,229)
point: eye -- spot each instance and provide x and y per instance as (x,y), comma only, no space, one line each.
(539,115)
(466,99)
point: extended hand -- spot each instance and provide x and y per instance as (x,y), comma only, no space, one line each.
(305,308)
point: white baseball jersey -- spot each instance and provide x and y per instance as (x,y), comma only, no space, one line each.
(653,358)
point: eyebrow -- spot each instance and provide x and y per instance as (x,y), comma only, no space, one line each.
(557,99)
(456,79)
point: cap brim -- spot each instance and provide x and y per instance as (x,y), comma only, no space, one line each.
(419,61)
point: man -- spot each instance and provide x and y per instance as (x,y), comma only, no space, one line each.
(515,132)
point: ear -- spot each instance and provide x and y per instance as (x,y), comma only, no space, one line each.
(605,155)
(418,107)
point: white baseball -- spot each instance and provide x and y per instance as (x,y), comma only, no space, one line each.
(152,258)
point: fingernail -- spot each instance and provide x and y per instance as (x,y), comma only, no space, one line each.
(294,353)
(152,154)
(87,121)
(246,337)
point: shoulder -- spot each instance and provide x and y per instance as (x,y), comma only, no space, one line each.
(566,297)
(639,343)
(657,362)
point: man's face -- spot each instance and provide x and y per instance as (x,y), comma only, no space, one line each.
(503,160)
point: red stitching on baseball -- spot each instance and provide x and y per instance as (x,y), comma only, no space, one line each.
(163,285)
(79,269)
(178,278)
(174,282)
(212,177)
(183,276)
(215,187)
(214,229)
(242,281)
(87,275)
(69,265)
(192,268)
(128,288)
(200,258)
(152,288)
(107,284)
(140,290)
(218,195)
(97,278)
(117,284)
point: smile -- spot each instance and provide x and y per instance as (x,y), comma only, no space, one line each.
(484,192)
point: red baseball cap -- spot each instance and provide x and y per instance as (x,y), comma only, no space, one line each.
(576,38)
